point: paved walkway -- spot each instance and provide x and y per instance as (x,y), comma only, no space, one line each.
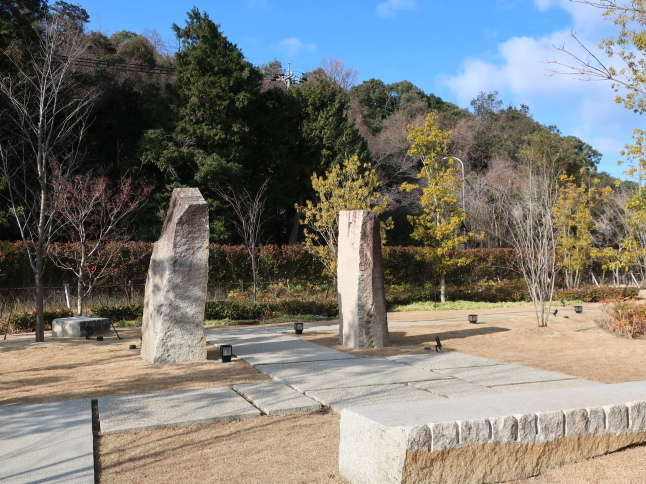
(53,442)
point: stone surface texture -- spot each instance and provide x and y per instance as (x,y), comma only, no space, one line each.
(339,398)
(502,439)
(172,327)
(75,326)
(354,372)
(275,398)
(47,442)
(131,413)
(360,275)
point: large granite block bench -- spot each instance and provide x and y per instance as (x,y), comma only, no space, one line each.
(77,326)
(489,438)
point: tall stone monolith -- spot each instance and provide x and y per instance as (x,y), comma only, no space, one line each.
(360,281)
(173,319)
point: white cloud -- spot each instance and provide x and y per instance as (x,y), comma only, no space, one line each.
(520,72)
(389,8)
(293,46)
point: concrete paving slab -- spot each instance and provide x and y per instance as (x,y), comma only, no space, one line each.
(130,413)
(339,398)
(545,385)
(505,374)
(345,373)
(47,442)
(454,388)
(411,414)
(275,398)
(267,348)
(246,335)
(439,361)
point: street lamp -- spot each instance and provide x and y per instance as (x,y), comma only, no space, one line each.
(464,228)
(461,166)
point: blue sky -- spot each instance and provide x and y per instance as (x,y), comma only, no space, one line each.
(453,49)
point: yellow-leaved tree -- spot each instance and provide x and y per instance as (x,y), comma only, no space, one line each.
(574,224)
(350,185)
(440,224)
(634,244)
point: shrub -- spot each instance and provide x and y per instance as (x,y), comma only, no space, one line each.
(236,310)
(626,317)
(494,292)
(26,322)
(505,291)
(596,293)
(119,313)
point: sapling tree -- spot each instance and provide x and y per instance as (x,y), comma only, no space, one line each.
(532,231)
(440,224)
(574,222)
(93,213)
(249,210)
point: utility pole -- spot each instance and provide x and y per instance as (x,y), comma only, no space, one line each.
(289,77)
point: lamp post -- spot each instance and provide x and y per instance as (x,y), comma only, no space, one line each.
(464,229)
(461,166)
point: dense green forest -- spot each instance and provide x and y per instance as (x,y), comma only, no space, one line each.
(205,117)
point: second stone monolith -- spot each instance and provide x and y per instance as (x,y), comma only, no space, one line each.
(360,280)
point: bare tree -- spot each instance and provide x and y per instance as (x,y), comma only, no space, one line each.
(531,228)
(46,110)
(248,211)
(337,72)
(91,212)
(486,212)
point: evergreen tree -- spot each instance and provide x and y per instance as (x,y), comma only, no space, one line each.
(216,88)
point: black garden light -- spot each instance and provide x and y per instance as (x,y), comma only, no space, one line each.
(226,352)
(298,328)
(473,318)
(578,309)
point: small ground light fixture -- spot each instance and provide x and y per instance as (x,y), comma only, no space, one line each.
(226,352)
(298,328)
(578,309)
(473,318)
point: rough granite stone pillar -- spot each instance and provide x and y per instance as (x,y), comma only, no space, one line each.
(360,281)
(173,319)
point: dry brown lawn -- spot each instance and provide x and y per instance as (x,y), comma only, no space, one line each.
(301,448)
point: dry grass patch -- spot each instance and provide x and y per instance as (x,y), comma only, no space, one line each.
(287,449)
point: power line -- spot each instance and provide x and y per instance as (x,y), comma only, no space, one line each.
(119,66)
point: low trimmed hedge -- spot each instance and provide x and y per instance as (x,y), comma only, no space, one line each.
(506,291)
(235,310)
(119,313)
(26,322)
(596,293)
